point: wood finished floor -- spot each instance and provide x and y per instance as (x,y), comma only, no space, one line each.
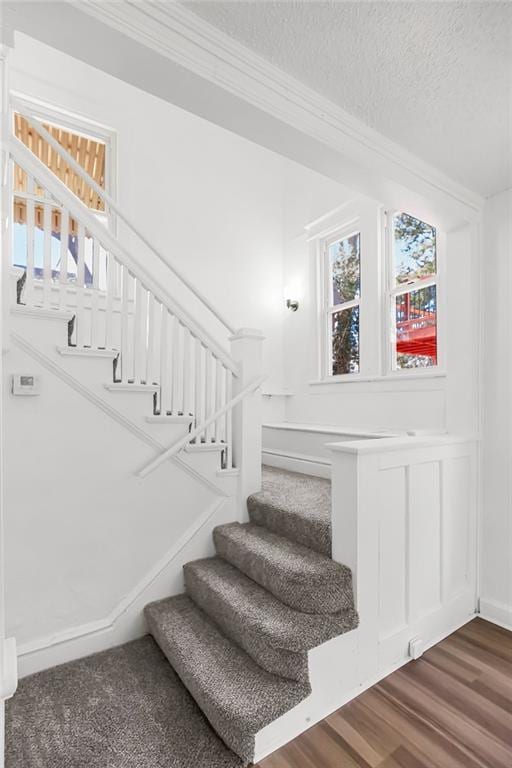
(450,709)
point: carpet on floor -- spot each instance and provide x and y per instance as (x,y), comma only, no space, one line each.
(121,708)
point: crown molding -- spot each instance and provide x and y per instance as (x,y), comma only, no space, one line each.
(181,36)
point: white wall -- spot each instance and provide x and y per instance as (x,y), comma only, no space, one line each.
(210,200)
(496,524)
(427,403)
(81,531)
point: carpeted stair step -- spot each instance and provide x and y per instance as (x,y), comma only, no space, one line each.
(296,506)
(276,636)
(236,695)
(296,575)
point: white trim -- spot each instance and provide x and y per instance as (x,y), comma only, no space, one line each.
(114,414)
(393,289)
(265,747)
(386,444)
(9,667)
(296,462)
(86,634)
(139,388)
(179,35)
(86,352)
(84,126)
(406,375)
(40,312)
(328,429)
(496,613)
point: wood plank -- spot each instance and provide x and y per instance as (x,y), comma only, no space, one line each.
(450,709)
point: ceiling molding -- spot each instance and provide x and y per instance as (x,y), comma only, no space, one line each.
(173,31)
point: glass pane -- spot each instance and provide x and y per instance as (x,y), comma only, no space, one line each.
(414,248)
(344,258)
(345,341)
(416,328)
(89,152)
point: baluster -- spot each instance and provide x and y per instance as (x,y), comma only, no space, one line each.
(218,400)
(80,287)
(176,366)
(109,308)
(165,377)
(64,244)
(95,297)
(209,393)
(199,380)
(187,401)
(140,320)
(126,368)
(229,421)
(29,284)
(47,253)
(151,364)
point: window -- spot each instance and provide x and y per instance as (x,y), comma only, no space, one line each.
(343,292)
(91,147)
(413,293)
(378,293)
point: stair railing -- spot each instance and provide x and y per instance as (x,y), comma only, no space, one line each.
(220,413)
(111,204)
(119,306)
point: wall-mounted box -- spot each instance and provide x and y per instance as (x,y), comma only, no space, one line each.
(25,384)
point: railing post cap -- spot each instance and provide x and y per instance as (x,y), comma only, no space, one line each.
(247,333)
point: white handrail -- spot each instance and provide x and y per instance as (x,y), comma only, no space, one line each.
(176,447)
(35,122)
(30,163)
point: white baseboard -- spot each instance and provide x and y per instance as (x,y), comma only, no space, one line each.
(496,613)
(317,707)
(297,462)
(126,621)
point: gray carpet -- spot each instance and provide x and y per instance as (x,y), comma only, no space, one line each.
(238,697)
(296,506)
(123,708)
(239,638)
(296,575)
(237,644)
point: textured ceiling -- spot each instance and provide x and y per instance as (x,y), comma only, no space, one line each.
(436,77)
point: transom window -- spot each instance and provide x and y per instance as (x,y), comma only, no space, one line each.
(413,293)
(343,262)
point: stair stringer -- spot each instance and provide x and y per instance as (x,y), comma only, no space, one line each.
(92,375)
(125,621)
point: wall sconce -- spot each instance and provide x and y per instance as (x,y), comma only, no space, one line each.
(292,304)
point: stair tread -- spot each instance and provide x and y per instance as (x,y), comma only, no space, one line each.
(263,614)
(298,560)
(298,576)
(294,505)
(237,696)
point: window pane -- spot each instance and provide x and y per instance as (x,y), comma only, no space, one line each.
(416,328)
(344,258)
(89,152)
(414,248)
(345,341)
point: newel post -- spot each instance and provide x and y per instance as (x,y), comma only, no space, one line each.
(247,351)
(355,537)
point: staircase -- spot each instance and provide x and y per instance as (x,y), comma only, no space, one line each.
(238,638)
(240,634)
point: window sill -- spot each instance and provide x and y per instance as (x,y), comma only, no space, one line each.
(356,378)
(392,383)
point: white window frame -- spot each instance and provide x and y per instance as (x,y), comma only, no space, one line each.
(393,290)
(85,127)
(358,215)
(328,308)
